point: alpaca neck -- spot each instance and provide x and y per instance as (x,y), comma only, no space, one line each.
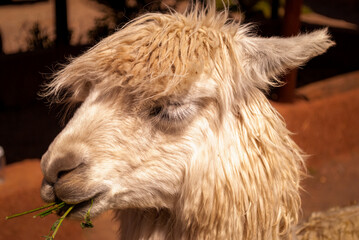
(160,224)
(145,224)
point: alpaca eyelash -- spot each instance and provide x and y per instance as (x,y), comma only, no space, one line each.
(172,112)
(155,111)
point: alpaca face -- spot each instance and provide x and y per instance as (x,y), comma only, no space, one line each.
(173,116)
(123,155)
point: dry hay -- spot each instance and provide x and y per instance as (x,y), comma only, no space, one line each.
(334,224)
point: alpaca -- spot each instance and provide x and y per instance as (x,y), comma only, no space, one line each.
(174,132)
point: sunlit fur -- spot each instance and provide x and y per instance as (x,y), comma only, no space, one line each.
(226,168)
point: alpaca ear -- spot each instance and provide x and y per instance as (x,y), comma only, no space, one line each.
(270,57)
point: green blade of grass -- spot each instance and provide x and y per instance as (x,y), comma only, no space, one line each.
(30,211)
(50,210)
(48,237)
(87,223)
(59,222)
(53,207)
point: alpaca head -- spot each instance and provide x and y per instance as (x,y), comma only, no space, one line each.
(173,116)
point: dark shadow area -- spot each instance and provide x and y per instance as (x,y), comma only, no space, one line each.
(20,2)
(347,10)
(27,124)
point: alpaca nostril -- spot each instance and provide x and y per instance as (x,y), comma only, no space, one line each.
(56,167)
(62,173)
(65,172)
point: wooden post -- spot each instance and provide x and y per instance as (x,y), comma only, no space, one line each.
(62,31)
(291,27)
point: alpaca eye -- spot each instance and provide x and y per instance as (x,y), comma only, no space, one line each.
(172,112)
(156,111)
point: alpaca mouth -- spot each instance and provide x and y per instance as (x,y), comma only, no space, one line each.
(92,206)
(78,210)
(78,198)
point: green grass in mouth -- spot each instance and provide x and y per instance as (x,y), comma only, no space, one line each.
(54,208)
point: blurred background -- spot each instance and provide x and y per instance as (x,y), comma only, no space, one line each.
(320,102)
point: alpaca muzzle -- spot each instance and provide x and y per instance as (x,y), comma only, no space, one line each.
(67,178)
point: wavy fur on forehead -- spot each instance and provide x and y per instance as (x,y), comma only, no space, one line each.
(155,55)
(160,55)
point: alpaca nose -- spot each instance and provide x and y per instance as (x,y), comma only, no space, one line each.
(54,165)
